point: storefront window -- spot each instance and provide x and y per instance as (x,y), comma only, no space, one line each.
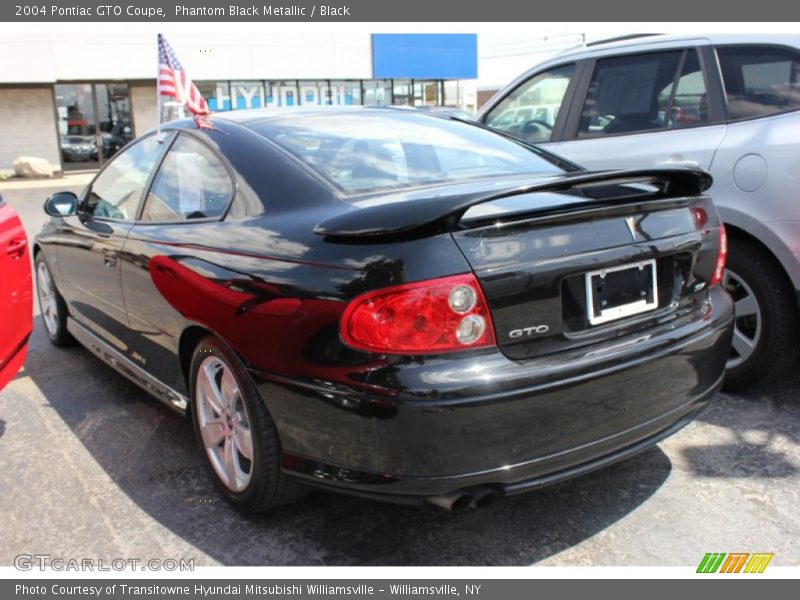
(236,95)
(216,93)
(114,117)
(282,93)
(403,92)
(378,91)
(314,93)
(247,94)
(345,93)
(452,95)
(94,122)
(426,93)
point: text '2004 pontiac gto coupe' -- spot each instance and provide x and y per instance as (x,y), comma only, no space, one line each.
(392,304)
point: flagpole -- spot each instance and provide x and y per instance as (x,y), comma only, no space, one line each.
(158,87)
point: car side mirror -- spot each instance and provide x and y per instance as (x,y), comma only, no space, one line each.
(61,204)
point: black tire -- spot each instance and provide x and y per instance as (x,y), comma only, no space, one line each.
(268,486)
(775,348)
(57,332)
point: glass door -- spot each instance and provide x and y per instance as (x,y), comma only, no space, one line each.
(94,122)
(403,94)
(377,91)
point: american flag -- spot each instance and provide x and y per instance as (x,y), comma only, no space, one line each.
(174,82)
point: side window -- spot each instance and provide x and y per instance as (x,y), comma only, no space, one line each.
(116,192)
(689,104)
(192,183)
(760,80)
(628,94)
(530,111)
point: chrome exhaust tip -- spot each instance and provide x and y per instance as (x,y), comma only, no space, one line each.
(454,501)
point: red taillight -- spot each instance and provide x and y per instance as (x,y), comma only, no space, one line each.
(722,256)
(438,315)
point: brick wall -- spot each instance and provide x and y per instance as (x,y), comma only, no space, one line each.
(27,125)
(143,101)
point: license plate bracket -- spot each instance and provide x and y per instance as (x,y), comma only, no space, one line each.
(617,292)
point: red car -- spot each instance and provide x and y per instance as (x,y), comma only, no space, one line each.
(16,296)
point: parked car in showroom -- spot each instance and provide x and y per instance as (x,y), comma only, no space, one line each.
(393,304)
(16,294)
(78,148)
(727,104)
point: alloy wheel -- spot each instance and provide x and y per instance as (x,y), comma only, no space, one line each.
(748,319)
(47,299)
(224,424)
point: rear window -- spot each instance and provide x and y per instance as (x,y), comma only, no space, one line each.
(760,80)
(366,151)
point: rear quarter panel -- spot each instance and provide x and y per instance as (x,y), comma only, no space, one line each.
(267,286)
(757,181)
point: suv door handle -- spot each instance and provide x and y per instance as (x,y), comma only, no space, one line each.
(109,258)
(16,248)
(679,164)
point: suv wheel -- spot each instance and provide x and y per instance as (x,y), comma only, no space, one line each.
(237,434)
(764,338)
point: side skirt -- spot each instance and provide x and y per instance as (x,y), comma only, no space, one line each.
(126,367)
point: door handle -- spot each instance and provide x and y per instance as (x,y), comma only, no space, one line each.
(16,248)
(679,164)
(110,258)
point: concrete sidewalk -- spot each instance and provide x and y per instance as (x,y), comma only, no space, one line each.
(68,180)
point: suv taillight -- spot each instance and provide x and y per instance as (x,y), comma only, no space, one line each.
(425,317)
(722,256)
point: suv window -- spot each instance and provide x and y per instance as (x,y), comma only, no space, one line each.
(192,183)
(630,94)
(116,192)
(530,111)
(760,80)
(689,105)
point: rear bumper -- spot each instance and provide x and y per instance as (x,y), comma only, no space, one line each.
(438,426)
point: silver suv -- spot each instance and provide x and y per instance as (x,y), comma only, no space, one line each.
(727,104)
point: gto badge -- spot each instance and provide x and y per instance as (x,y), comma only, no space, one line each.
(528,331)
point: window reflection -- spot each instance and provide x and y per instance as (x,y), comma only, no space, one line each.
(116,192)
(191,184)
(364,151)
(760,80)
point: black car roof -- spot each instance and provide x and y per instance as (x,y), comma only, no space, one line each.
(260,115)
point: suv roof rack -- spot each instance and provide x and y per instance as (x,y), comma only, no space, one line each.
(621,38)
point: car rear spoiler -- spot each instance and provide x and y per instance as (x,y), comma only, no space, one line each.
(443,212)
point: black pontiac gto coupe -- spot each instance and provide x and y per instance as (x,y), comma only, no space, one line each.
(391,304)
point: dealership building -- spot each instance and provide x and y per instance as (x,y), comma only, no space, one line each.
(75,99)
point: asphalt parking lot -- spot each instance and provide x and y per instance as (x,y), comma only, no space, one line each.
(93,467)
